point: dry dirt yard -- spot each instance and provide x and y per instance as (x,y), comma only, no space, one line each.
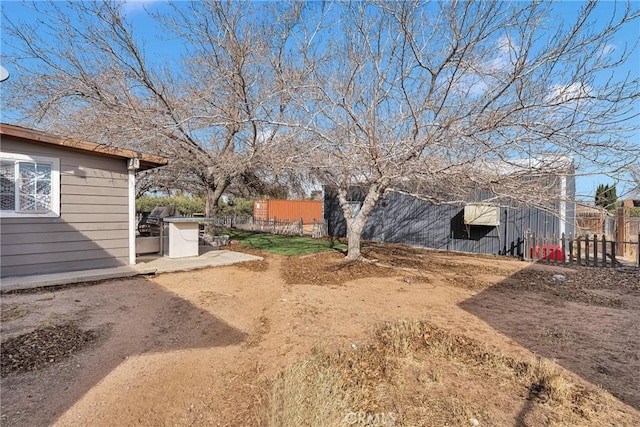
(420,338)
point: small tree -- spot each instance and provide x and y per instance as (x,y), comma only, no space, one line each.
(600,198)
(607,197)
(611,196)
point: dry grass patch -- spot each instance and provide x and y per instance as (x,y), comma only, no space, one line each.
(557,335)
(427,376)
(9,312)
(310,393)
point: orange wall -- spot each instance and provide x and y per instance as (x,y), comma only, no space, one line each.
(288,210)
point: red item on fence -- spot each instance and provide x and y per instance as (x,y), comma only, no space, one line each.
(552,252)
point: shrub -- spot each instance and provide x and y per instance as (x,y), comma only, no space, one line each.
(239,207)
(186,205)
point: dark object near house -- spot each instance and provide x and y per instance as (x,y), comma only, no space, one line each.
(150,222)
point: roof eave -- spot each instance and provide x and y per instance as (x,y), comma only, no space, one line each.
(147,161)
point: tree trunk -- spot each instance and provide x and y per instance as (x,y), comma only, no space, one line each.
(211,202)
(214,192)
(211,205)
(354,236)
(356,218)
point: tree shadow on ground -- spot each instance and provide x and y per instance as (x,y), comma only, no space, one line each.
(588,324)
(126,318)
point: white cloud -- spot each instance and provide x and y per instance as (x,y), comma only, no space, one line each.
(133,6)
(480,75)
(473,85)
(607,50)
(568,94)
(502,60)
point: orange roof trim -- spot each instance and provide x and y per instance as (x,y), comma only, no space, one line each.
(147,161)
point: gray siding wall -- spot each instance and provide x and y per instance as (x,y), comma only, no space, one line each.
(400,218)
(92,230)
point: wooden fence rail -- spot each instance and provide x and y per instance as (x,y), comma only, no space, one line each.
(317,229)
(589,251)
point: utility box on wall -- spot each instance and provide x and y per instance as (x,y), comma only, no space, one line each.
(482,214)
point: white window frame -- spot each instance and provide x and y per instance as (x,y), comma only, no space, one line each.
(54,210)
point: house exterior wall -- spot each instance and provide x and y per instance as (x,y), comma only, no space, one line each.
(400,218)
(92,230)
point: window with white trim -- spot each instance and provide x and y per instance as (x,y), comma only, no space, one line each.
(29,186)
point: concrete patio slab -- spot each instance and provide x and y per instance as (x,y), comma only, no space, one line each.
(149,264)
(207,258)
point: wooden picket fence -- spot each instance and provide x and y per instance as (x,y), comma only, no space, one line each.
(273,226)
(317,229)
(586,250)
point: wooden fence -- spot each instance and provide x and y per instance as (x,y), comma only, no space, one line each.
(586,250)
(317,229)
(273,226)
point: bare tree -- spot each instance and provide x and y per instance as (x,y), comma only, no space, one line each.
(431,98)
(438,99)
(215,112)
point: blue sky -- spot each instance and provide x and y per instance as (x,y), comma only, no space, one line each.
(630,36)
(167,50)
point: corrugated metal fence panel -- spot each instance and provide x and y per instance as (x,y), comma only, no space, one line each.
(260,209)
(400,218)
(288,210)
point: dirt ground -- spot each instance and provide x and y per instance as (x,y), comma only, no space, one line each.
(200,347)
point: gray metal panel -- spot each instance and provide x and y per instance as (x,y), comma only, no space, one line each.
(92,230)
(401,218)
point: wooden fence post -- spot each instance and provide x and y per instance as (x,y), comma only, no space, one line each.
(570,248)
(554,250)
(579,250)
(613,254)
(586,250)
(544,248)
